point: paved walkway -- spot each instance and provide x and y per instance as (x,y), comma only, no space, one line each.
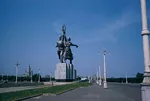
(91,93)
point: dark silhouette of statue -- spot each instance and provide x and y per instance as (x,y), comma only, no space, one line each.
(64,47)
(68,53)
(61,44)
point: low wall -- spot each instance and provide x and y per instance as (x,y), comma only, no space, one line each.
(57,83)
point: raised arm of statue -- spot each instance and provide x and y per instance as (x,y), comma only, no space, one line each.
(74,45)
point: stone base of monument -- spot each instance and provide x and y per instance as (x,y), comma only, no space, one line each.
(65,73)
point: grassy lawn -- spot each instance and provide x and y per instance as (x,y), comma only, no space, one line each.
(11,96)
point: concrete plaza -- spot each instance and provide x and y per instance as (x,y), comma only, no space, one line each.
(115,92)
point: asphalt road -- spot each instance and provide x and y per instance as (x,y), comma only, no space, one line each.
(115,92)
(132,91)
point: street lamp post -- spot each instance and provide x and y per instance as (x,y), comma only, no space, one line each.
(145,85)
(7,77)
(50,77)
(105,81)
(17,65)
(30,73)
(97,77)
(89,79)
(100,79)
(39,76)
(126,78)
(2,77)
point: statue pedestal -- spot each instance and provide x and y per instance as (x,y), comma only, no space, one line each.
(65,73)
(74,74)
(71,72)
(61,72)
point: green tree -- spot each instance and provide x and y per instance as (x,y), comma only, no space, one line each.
(139,77)
(35,77)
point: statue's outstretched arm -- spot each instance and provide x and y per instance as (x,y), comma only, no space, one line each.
(74,45)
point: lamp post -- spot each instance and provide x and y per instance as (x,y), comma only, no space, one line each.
(7,77)
(30,73)
(105,81)
(100,79)
(2,77)
(97,77)
(50,77)
(126,78)
(39,77)
(89,79)
(17,65)
(145,85)
(104,78)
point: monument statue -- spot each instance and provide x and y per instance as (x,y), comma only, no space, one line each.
(64,71)
(61,44)
(68,53)
(64,47)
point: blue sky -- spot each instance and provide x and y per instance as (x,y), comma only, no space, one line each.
(29,30)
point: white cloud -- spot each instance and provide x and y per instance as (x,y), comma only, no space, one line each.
(108,32)
(111,29)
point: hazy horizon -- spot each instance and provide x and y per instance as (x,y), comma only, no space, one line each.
(29,30)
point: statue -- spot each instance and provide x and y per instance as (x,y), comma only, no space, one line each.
(61,44)
(64,51)
(68,53)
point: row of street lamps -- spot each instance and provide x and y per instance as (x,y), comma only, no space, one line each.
(99,81)
(2,77)
(145,85)
(31,74)
(17,66)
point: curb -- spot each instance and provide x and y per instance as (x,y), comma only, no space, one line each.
(46,94)
(28,97)
(65,91)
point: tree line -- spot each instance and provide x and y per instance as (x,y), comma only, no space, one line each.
(35,78)
(137,79)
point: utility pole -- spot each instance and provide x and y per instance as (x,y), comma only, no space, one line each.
(17,65)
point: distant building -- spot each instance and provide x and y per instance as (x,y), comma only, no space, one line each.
(83,79)
(28,71)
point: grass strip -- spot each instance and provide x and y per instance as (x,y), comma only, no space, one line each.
(12,96)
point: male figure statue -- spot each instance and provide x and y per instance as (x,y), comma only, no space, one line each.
(61,44)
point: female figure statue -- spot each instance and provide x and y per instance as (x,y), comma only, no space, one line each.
(68,53)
